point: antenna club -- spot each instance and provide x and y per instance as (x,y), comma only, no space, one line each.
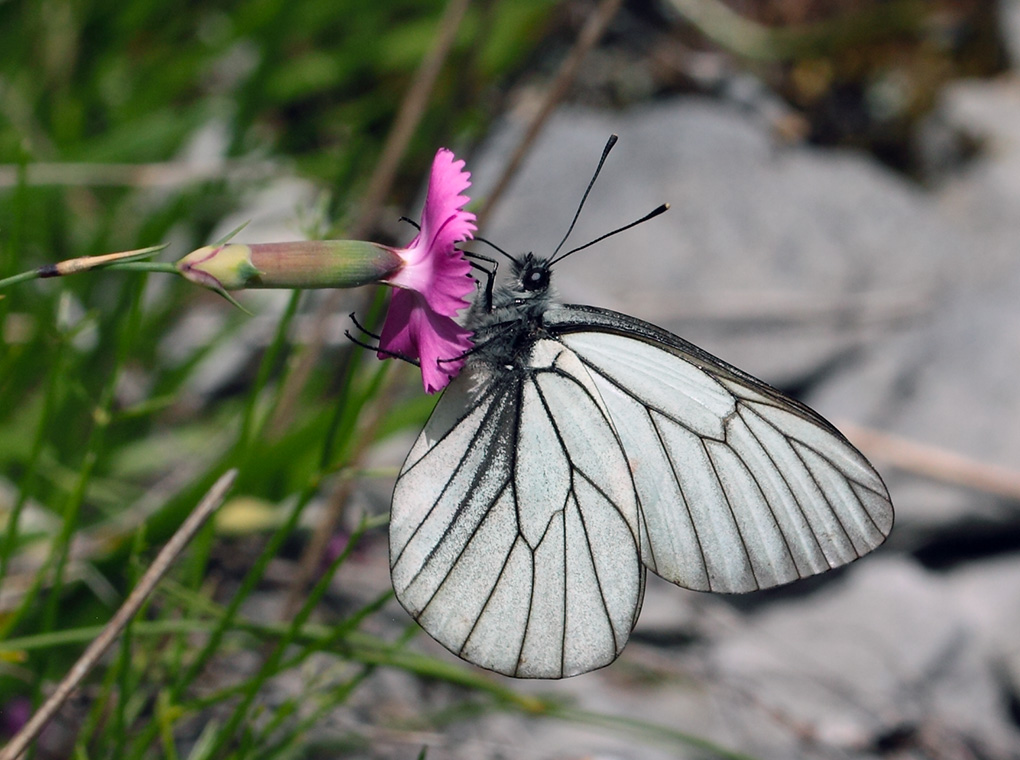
(605,153)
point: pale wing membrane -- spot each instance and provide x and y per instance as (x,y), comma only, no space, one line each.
(740,487)
(514,537)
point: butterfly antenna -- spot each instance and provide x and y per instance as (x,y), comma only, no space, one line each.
(605,153)
(651,215)
(493,246)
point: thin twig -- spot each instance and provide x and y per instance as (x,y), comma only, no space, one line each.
(779,306)
(160,174)
(934,462)
(129,609)
(408,117)
(93,543)
(591,33)
(756,41)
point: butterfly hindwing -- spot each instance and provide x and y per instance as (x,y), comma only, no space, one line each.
(740,487)
(514,531)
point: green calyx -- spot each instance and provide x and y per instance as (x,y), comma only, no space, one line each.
(302,264)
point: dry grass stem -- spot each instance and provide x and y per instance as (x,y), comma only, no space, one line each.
(934,462)
(159,174)
(591,33)
(210,502)
(408,117)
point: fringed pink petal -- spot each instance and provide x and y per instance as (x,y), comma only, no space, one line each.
(414,330)
(443,220)
(433,266)
(434,281)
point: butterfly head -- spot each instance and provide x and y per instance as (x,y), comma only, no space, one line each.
(529,288)
(531,276)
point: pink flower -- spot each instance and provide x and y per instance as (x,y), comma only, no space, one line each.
(434,281)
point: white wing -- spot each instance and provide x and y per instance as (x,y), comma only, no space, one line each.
(514,529)
(740,487)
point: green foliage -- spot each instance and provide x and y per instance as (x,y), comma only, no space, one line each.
(109,433)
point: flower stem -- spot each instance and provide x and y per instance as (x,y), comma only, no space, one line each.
(145,266)
(16,278)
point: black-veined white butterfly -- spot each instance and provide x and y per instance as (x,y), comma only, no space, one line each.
(578,447)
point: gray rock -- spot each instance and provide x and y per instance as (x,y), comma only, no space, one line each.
(987,595)
(950,380)
(892,649)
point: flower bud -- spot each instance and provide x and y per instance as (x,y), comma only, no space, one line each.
(302,264)
(219,267)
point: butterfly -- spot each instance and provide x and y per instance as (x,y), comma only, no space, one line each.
(580,447)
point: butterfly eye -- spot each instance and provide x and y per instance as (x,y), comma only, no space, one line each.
(536,279)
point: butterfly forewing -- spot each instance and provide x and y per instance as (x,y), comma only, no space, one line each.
(740,487)
(514,536)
